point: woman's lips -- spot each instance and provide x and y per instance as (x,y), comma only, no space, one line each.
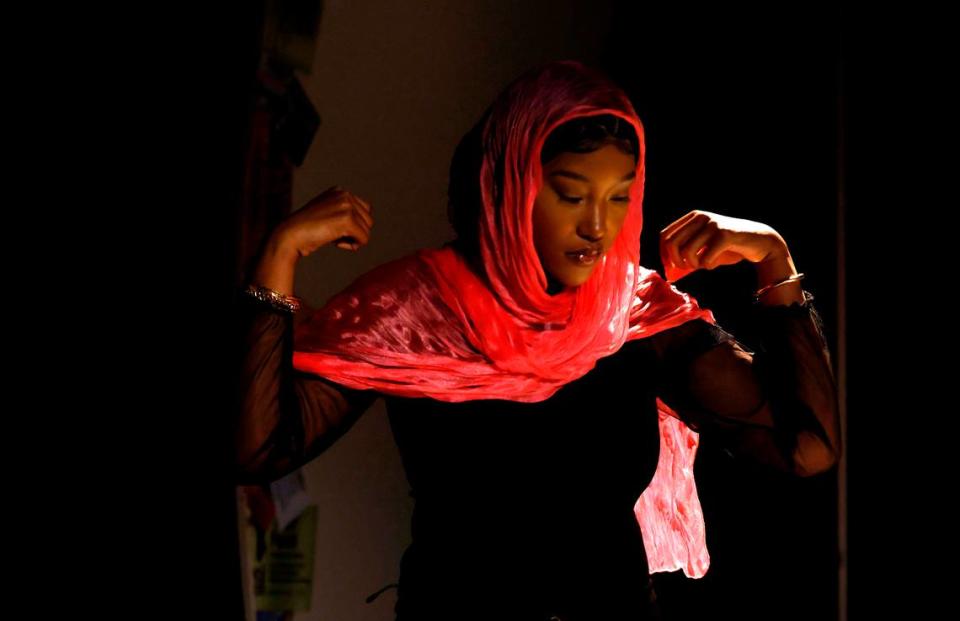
(584,257)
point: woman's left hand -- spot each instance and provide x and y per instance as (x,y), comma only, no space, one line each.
(703,239)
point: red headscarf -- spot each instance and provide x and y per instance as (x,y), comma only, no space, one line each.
(427,325)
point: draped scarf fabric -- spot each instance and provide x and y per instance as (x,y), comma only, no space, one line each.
(429,325)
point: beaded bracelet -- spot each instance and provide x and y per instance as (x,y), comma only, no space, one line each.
(279,301)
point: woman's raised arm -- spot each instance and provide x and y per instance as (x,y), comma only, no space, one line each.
(287,417)
(778,405)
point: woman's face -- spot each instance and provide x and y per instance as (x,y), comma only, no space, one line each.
(582,203)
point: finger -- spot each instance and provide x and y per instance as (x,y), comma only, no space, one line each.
(353,232)
(349,242)
(366,205)
(365,212)
(679,222)
(668,237)
(361,219)
(719,251)
(701,242)
(361,233)
(675,241)
(348,245)
(362,207)
(359,201)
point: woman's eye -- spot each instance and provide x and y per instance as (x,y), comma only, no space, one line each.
(576,199)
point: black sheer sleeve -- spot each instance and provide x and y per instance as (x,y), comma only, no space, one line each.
(778,405)
(287,417)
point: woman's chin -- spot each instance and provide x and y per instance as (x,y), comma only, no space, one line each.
(555,287)
(566,280)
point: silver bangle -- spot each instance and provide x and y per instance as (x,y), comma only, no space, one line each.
(762,290)
(279,301)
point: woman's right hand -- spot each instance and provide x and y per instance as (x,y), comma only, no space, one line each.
(336,215)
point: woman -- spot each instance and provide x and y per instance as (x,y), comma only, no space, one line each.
(544,389)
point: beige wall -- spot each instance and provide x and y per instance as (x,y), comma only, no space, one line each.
(397,84)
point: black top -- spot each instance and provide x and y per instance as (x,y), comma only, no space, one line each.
(525,510)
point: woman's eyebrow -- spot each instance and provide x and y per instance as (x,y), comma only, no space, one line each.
(569,173)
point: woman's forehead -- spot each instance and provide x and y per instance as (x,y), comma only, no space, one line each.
(605,164)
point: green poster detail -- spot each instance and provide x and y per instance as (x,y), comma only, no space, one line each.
(283,576)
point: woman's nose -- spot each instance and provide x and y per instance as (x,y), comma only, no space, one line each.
(592,225)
